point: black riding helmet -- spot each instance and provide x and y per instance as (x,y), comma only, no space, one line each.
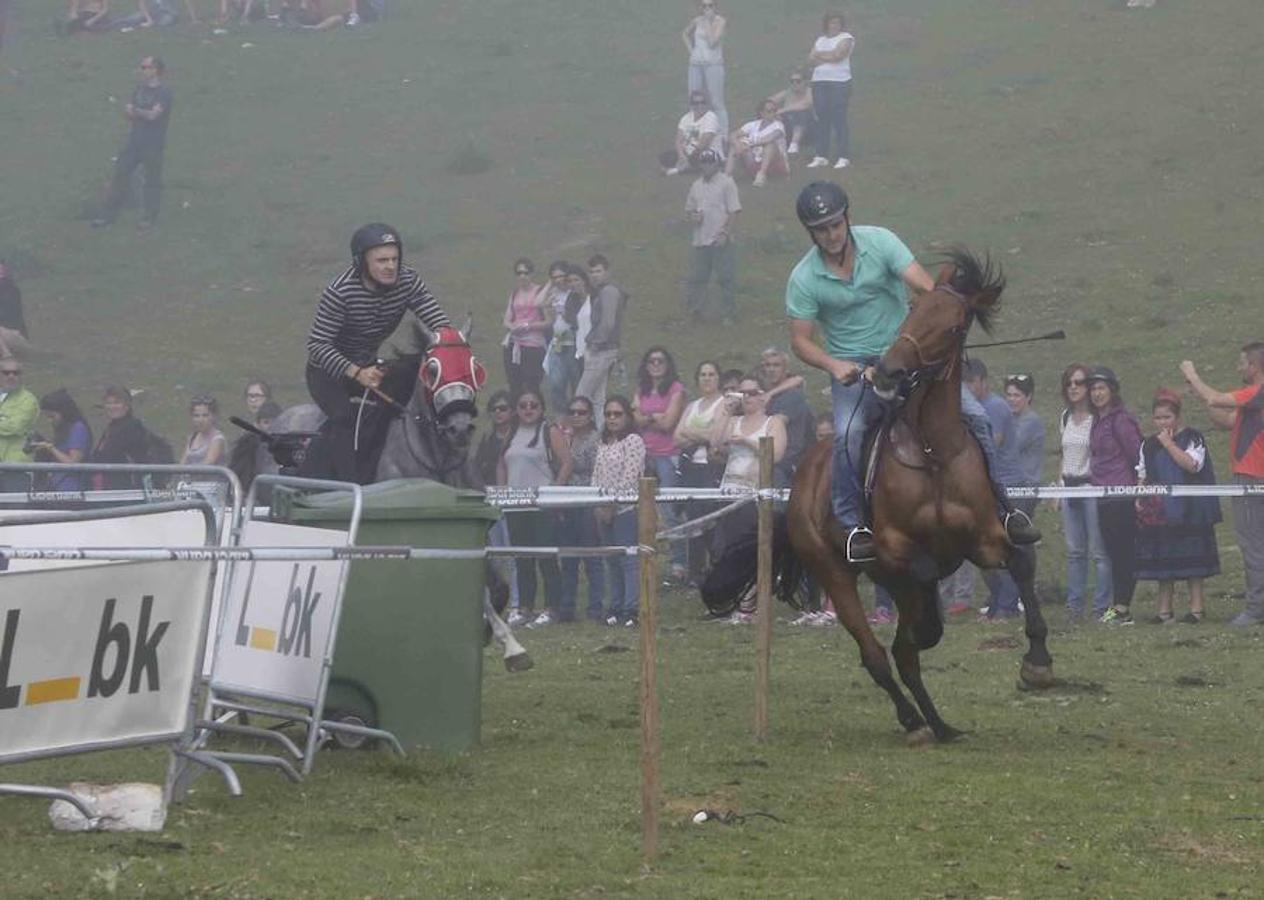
(375,234)
(821,203)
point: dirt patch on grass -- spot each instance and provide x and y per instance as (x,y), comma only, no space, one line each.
(1212,849)
(1000,642)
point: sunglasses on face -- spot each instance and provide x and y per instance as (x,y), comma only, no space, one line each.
(528,404)
(1076,382)
(614,414)
(501,407)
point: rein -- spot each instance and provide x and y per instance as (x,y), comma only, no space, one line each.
(941,370)
(944,368)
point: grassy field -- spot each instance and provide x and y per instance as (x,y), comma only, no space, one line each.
(1108,158)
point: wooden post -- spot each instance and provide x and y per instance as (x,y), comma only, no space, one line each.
(763,589)
(646,535)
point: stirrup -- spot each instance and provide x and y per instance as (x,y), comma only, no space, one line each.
(853,554)
(1024,530)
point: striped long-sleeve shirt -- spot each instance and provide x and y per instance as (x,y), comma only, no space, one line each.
(352,321)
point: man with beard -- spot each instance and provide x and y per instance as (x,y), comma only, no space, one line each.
(358,310)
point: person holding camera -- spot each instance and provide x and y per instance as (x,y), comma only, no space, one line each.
(71,442)
(19,410)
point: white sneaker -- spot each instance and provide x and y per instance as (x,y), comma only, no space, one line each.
(817,162)
(807,618)
(672,171)
(843,162)
(793,148)
(824,620)
(760,180)
(541,620)
(353,19)
(515,619)
(612,621)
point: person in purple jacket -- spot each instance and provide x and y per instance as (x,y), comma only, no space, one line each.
(1114,448)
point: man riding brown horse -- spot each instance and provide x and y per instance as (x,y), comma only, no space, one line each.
(854,285)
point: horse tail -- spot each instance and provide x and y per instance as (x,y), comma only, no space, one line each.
(734,573)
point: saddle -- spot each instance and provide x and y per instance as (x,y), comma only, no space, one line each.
(907,449)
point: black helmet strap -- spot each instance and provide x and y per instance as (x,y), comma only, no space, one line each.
(847,242)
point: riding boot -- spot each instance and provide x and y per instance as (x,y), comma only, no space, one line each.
(1019,528)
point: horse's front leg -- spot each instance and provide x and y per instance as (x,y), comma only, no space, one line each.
(839,584)
(919,613)
(1037,667)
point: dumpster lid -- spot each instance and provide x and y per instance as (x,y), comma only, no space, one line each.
(399,498)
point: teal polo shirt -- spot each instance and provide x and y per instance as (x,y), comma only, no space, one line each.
(861,316)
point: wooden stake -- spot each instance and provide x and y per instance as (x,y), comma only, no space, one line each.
(647,529)
(763,589)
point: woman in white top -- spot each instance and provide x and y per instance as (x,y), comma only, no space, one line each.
(738,439)
(740,436)
(759,146)
(701,419)
(831,90)
(704,40)
(536,454)
(1079,516)
(206,445)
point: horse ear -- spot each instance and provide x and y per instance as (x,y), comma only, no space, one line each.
(467,329)
(946,271)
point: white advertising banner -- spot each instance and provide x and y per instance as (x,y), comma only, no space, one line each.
(278,617)
(167,528)
(98,655)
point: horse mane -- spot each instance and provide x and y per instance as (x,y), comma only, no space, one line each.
(979,282)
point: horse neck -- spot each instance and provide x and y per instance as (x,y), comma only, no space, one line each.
(935,412)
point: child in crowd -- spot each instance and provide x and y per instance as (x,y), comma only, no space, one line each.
(1176,535)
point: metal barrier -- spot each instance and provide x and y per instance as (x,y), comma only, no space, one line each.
(256,663)
(141,670)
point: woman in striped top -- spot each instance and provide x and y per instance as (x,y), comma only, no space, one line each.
(1079,516)
(358,310)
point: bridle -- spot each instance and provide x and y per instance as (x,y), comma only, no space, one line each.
(941,369)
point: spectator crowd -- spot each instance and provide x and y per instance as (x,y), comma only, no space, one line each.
(573,414)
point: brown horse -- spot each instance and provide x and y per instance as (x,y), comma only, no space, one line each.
(932,500)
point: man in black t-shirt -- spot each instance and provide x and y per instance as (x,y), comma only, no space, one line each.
(149,112)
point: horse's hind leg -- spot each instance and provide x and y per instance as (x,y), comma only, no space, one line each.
(516,657)
(839,584)
(1037,667)
(919,625)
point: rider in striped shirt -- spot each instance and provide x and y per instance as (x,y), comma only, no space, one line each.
(358,310)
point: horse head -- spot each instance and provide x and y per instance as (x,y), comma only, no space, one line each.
(933,334)
(451,376)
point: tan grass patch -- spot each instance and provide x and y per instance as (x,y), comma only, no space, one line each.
(1214,849)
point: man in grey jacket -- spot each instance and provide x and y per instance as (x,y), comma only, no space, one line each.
(601,351)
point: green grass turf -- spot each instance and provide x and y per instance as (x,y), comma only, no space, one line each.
(1109,159)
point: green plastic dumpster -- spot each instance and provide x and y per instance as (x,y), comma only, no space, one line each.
(409,652)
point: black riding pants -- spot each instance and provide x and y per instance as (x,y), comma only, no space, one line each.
(343,456)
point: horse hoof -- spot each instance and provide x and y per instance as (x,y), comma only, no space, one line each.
(1037,678)
(946,734)
(519,662)
(920,737)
